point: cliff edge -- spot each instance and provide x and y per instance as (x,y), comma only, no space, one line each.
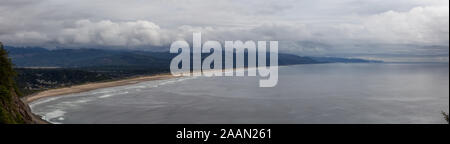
(12,109)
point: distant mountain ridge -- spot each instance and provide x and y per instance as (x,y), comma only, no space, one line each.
(40,57)
(73,58)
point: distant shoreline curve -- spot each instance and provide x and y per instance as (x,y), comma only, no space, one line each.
(99,85)
(93,86)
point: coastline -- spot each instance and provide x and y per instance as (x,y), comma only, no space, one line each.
(121,82)
(93,86)
(99,85)
(87,87)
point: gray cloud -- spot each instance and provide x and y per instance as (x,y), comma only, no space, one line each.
(320,27)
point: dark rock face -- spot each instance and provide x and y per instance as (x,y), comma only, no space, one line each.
(12,109)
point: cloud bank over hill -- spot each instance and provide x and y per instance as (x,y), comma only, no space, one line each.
(412,30)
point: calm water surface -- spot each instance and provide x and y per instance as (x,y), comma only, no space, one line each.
(319,93)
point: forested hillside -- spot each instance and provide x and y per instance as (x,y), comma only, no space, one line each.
(111,59)
(12,109)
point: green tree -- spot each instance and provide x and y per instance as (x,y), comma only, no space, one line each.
(7,72)
(9,110)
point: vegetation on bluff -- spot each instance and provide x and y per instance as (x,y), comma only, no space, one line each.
(12,109)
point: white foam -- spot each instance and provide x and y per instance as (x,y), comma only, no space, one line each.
(41,101)
(105,96)
(54,114)
(110,95)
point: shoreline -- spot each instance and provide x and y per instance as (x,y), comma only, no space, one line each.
(93,86)
(87,87)
(99,85)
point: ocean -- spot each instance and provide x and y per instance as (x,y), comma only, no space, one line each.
(336,93)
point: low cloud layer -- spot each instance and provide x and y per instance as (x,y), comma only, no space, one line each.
(388,30)
(108,33)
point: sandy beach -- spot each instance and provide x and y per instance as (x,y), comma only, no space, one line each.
(93,86)
(88,87)
(98,85)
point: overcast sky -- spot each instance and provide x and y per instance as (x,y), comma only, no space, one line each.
(391,30)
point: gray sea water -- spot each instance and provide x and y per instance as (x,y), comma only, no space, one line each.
(317,93)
